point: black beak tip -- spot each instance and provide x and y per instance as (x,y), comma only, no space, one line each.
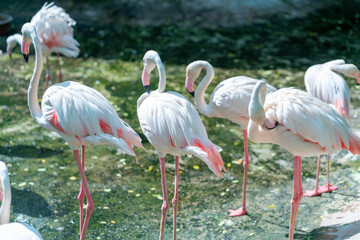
(192,93)
(147,88)
(357,83)
(26,57)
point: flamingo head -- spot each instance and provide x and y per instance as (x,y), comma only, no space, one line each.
(150,59)
(193,71)
(28,31)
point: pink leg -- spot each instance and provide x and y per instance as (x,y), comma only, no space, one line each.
(328,187)
(90,203)
(60,74)
(165,205)
(242,210)
(297,195)
(81,196)
(47,75)
(175,200)
(316,192)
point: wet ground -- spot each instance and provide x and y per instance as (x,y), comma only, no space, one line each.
(127,197)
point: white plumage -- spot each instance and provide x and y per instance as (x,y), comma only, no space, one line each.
(325,82)
(12,231)
(230,100)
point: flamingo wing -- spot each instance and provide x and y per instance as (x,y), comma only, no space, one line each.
(326,84)
(82,112)
(172,125)
(308,118)
(232,96)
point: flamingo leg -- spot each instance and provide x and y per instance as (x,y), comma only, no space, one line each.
(328,188)
(175,200)
(165,205)
(47,75)
(297,195)
(81,196)
(316,192)
(60,74)
(90,203)
(242,210)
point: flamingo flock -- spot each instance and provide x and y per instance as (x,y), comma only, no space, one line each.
(305,124)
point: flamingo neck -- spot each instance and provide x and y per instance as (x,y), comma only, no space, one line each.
(17,38)
(162,76)
(33,100)
(5,205)
(199,100)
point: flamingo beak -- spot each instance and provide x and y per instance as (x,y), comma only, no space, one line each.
(146,80)
(189,86)
(26,57)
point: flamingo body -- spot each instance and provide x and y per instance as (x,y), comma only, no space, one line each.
(83,116)
(177,129)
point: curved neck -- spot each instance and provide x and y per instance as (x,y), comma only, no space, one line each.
(33,101)
(5,205)
(162,76)
(18,38)
(200,90)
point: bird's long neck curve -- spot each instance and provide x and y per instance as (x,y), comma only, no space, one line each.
(162,76)
(199,100)
(33,100)
(18,38)
(5,205)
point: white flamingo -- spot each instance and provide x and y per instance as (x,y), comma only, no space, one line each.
(55,29)
(303,125)
(229,100)
(173,126)
(12,231)
(79,114)
(325,82)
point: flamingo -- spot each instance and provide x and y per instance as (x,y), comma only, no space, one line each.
(79,114)
(55,29)
(229,100)
(173,126)
(12,231)
(325,82)
(303,125)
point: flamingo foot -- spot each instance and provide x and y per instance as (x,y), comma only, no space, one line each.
(310,193)
(328,188)
(238,212)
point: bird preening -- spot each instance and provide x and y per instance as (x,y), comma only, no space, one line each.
(306,124)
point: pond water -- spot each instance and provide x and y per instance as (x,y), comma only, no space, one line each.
(127,197)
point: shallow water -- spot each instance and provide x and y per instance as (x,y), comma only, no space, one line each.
(127,197)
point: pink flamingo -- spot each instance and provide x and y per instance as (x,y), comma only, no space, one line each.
(173,126)
(325,82)
(79,114)
(55,29)
(12,231)
(303,125)
(229,100)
